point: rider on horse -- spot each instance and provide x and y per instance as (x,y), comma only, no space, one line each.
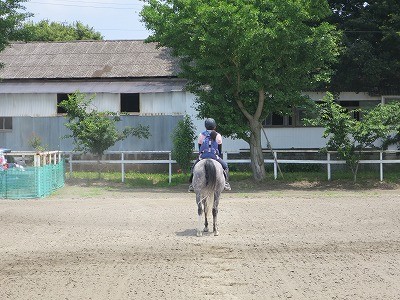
(210,146)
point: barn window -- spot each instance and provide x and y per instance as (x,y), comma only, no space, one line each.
(5,123)
(352,107)
(60,98)
(130,103)
(275,119)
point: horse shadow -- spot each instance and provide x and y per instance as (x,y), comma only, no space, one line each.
(187,232)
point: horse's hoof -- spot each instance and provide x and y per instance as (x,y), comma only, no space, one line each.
(216,233)
(205,229)
(199,233)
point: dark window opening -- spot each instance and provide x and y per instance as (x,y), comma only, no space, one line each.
(60,98)
(278,120)
(130,103)
(5,123)
(352,106)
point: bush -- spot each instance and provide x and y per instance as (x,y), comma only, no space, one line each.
(183,138)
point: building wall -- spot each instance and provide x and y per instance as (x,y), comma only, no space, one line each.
(45,104)
(34,105)
(37,114)
(50,130)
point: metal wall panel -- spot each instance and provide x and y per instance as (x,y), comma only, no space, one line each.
(51,130)
(28,105)
(172,103)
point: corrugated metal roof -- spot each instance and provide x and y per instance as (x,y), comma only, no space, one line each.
(91,87)
(86,59)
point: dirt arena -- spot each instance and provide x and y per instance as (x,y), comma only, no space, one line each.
(87,242)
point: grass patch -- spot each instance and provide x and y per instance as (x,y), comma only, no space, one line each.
(241,180)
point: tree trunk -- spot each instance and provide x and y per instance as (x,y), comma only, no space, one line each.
(99,167)
(256,155)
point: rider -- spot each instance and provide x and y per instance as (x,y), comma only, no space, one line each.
(216,147)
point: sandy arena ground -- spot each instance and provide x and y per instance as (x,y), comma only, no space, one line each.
(100,243)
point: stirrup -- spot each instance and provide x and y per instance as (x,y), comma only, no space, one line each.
(190,189)
(227,186)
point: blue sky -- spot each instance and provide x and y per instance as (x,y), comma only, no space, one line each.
(115,19)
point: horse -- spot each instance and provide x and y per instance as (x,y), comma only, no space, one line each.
(208,183)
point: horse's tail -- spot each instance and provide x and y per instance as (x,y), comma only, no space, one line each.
(211,183)
(211,175)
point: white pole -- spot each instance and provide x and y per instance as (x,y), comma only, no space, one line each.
(70,164)
(122,167)
(329,165)
(275,164)
(225,156)
(381,165)
(169,168)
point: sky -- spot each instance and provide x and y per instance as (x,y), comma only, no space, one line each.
(114,19)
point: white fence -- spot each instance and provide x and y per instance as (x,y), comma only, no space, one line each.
(38,158)
(275,161)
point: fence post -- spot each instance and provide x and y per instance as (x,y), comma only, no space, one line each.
(275,165)
(381,165)
(122,167)
(225,156)
(36,160)
(328,158)
(70,164)
(169,167)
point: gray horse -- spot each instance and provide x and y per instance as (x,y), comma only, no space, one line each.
(208,183)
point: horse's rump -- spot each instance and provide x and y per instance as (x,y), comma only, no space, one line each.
(208,176)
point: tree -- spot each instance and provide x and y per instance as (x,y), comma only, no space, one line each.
(183,138)
(370,58)
(11,18)
(349,136)
(95,131)
(245,59)
(54,31)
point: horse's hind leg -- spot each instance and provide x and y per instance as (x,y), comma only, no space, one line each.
(215,213)
(199,214)
(205,216)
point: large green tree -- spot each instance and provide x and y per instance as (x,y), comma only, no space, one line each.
(370,60)
(54,31)
(11,17)
(246,58)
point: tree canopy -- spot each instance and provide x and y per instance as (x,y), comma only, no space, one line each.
(245,59)
(11,17)
(370,58)
(54,31)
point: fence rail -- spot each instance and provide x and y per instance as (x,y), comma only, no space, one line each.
(39,158)
(275,161)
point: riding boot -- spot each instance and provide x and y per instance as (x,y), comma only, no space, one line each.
(226,174)
(227,186)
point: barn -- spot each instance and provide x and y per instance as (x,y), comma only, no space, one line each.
(128,76)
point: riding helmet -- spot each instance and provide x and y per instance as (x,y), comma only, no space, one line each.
(210,124)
